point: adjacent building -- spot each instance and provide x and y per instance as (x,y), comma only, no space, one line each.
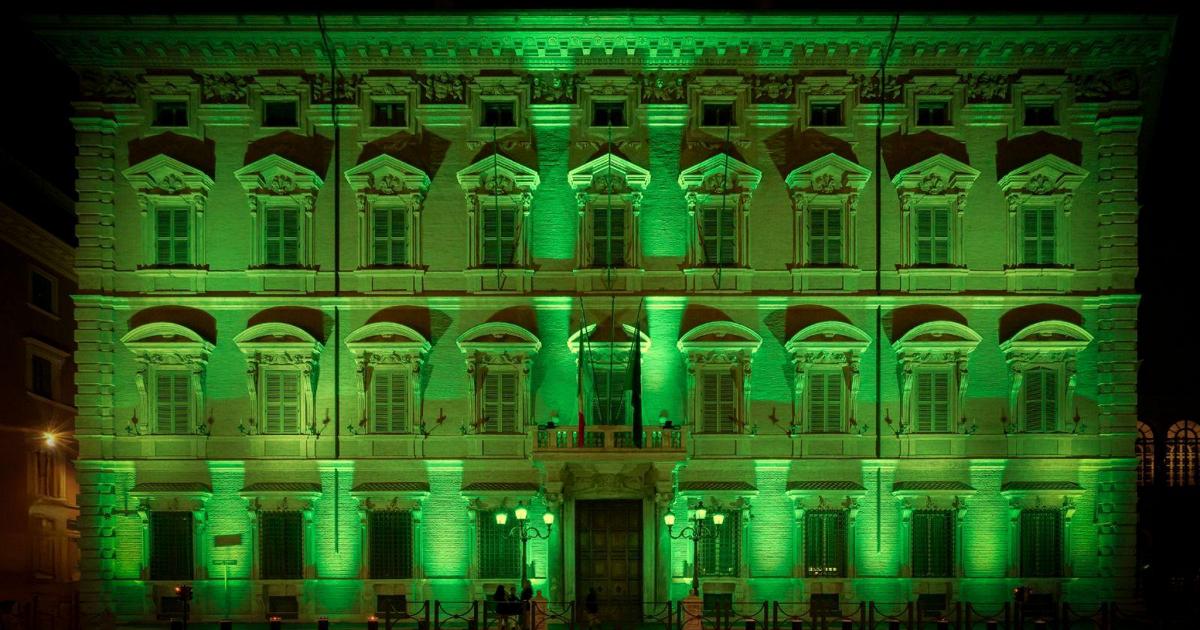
(340,280)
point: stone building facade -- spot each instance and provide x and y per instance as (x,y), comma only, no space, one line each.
(337,279)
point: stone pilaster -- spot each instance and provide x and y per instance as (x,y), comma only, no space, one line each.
(95,136)
(1117,209)
(97,542)
(1116,370)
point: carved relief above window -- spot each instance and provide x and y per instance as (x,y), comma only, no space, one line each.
(1040,195)
(389,195)
(608,193)
(281,374)
(933,198)
(282,196)
(1041,359)
(825,197)
(718,357)
(388,359)
(499,194)
(172,361)
(172,197)
(933,377)
(499,358)
(826,358)
(718,193)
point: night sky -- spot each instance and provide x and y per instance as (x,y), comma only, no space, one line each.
(37,91)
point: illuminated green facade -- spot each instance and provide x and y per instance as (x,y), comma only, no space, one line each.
(953,413)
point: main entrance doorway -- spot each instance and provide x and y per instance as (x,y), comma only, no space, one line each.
(608,557)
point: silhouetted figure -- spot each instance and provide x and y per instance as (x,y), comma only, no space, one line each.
(591,605)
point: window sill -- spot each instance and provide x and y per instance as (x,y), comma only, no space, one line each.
(1057,278)
(390,279)
(165,279)
(940,279)
(822,278)
(37,309)
(284,279)
(52,403)
(734,278)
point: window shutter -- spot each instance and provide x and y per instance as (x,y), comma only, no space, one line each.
(825,402)
(391,535)
(816,403)
(179,236)
(1041,543)
(1030,223)
(825,236)
(710,230)
(924,236)
(171,547)
(508,402)
(1048,236)
(381,220)
(273,226)
(399,236)
(500,402)
(281,541)
(1041,400)
(291,236)
(924,402)
(710,408)
(391,401)
(941,401)
(171,401)
(933,543)
(941,236)
(728,237)
(162,236)
(825,543)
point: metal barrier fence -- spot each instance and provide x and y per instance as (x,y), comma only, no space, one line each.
(394,617)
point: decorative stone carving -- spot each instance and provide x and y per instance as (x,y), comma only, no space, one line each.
(663,87)
(224,88)
(546,88)
(277,344)
(988,87)
(938,180)
(443,88)
(1109,85)
(870,89)
(108,86)
(832,344)
(942,343)
(346,87)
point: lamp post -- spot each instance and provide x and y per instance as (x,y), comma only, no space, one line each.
(695,533)
(525,532)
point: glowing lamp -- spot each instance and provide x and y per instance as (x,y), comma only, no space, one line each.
(548,518)
(521,512)
(718,519)
(669,519)
(501,518)
(701,513)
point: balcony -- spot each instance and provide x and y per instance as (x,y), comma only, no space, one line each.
(608,438)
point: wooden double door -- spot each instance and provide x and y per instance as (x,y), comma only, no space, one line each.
(608,558)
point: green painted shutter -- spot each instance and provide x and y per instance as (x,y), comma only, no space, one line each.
(933,401)
(1041,400)
(281,392)
(391,535)
(710,229)
(825,543)
(941,400)
(272,228)
(500,402)
(499,553)
(825,236)
(381,233)
(291,237)
(171,236)
(171,550)
(608,231)
(172,404)
(932,543)
(720,554)
(1038,235)
(825,402)
(1047,237)
(499,235)
(281,544)
(941,236)
(391,401)
(1041,543)
(924,236)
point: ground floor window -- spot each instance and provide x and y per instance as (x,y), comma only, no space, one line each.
(282,545)
(391,539)
(933,543)
(171,546)
(1041,543)
(825,543)
(499,553)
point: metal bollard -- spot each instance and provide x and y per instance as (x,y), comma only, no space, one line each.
(943,624)
(992,624)
(894,624)
(797,624)
(372,623)
(276,623)
(323,623)
(847,624)
(225,625)
(751,624)
(176,624)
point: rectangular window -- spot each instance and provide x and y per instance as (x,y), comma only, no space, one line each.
(389,114)
(1040,116)
(720,555)
(499,114)
(609,386)
(281,541)
(825,115)
(171,236)
(933,401)
(281,113)
(41,376)
(499,240)
(1037,235)
(716,114)
(389,234)
(391,544)
(933,235)
(718,401)
(608,113)
(933,113)
(46,474)
(718,234)
(390,398)
(500,402)
(825,543)
(172,402)
(1041,400)
(46,553)
(1041,543)
(825,236)
(281,237)
(43,291)
(281,402)
(932,543)
(170,113)
(608,236)
(825,394)
(171,546)
(499,553)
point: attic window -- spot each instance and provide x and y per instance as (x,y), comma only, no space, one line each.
(933,113)
(170,114)
(825,115)
(280,113)
(1040,115)
(499,114)
(608,114)
(716,115)
(388,114)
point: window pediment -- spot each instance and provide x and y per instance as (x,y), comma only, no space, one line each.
(939,176)
(589,177)
(384,175)
(719,336)
(1042,494)
(277,338)
(1047,175)
(277,176)
(383,338)
(932,495)
(619,346)
(158,342)
(282,495)
(391,495)
(1052,340)
(497,337)
(719,175)
(165,176)
(933,339)
(498,176)
(825,495)
(830,174)
(831,339)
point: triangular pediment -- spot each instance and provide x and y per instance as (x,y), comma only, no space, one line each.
(278,175)
(937,175)
(1046,175)
(711,174)
(496,174)
(828,174)
(386,175)
(635,177)
(168,176)
(619,339)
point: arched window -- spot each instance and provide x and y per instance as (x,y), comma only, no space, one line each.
(1144,448)
(1183,446)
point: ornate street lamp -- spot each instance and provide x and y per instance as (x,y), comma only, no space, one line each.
(525,532)
(695,533)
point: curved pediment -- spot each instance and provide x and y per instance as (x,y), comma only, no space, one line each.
(1046,175)
(275,174)
(275,334)
(937,175)
(386,175)
(497,174)
(724,334)
(829,335)
(720,174)
(938,335)
(828,174)
(1049,335)
(622,343)
(635,177)
(166,175)
(165,336)
(388,335)
(497,337)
